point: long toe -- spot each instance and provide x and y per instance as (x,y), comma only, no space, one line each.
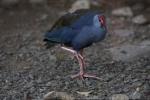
(91,76)
(81,76)
(75,76)
(85,75)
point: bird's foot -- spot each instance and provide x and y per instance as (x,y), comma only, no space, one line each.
(85,75)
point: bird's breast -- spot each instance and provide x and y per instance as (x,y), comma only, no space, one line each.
(99,33)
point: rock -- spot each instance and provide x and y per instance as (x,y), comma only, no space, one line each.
(57,96)
(95,3)
(139,19)
(125,11)
(124,32)
(9,2)
(84,93)
(36,1)
(128,52)
(119,97)
(80,4)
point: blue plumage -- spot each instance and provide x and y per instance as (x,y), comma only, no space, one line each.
(78,30)
(85,20)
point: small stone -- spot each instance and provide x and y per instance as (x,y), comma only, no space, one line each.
(57,96)
(140,19)
(21,55)
(119,97)
(49,84)
(52,58)
(80,4)
(125,11)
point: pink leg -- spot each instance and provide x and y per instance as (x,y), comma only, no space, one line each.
(70,50)
(80,59)
(82,74)
(73,51)
(81,56)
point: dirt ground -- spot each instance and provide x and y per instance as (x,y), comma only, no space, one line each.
(28,69)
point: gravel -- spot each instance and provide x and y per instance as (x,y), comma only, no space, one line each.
(140,20)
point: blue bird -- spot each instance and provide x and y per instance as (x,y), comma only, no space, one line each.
(76,31)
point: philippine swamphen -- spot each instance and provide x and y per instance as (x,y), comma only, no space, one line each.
(76,31)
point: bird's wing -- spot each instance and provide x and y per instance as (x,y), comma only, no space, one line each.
(63,21)
(83,39)
(63,35)
(69,19)
(87,36)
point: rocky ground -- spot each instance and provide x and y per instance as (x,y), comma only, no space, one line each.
(28,71)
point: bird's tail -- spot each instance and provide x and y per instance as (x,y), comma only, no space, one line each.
(49,44)
(52,38)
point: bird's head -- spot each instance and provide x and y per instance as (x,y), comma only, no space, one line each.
(99,21)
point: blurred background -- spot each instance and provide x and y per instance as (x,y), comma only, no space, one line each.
(122,59)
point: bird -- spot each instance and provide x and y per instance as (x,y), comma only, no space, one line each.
(76,31)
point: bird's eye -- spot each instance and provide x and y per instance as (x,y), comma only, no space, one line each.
(101,20)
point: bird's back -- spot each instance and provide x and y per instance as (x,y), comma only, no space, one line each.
(78,19)
(72,29)
(84,20)
(69,23)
